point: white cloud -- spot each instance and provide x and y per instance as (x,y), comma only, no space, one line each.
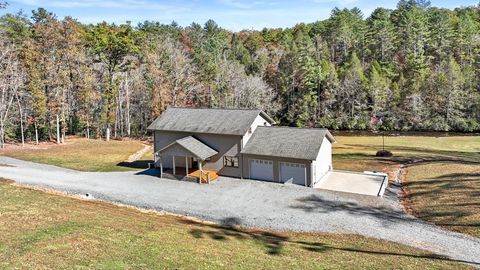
(338,2)
(241,4)
(123,4)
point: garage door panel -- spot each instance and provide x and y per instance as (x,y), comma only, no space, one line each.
(293,172)
(261,169)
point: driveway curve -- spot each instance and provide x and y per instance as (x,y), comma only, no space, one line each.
(254,204)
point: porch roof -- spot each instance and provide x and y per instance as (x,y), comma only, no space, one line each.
(191,145)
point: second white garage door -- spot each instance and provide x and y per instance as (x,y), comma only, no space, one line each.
(261,169)
(292,172)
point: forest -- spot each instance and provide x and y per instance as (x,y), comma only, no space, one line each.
(416,67)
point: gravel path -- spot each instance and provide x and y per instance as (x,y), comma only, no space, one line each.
(139,154)
(255,204)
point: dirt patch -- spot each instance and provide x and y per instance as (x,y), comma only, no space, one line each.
(405,198)
(6,165)
(29,146)
(6,181)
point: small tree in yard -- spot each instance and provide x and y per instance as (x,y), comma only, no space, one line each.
(377,123)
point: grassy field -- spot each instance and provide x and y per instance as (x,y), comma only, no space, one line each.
(442,174)
(42,231)
(82,154)
(447,194)
(362,149)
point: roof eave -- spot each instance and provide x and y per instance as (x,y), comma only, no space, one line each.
(188,150)
(275,156)
(330,137)
(196,132)
(268,118)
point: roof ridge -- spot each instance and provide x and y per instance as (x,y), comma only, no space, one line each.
(208,120)
(226,109)
(297,128)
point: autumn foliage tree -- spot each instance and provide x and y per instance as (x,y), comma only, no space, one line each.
(415,65)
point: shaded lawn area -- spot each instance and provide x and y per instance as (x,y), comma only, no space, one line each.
(41,230)
(81,154)
(443,174)
(141,163)
(447,194)
(404,148)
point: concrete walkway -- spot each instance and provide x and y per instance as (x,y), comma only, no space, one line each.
(255,204)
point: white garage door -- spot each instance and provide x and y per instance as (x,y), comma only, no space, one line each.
(261,169)
(293,172)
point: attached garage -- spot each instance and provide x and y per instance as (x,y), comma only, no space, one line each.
(261,169)
(294,173)
(300,156)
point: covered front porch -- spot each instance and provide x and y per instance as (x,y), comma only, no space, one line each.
(200,176)
(188,156)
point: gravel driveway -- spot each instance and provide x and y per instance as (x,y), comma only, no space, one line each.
(254,204)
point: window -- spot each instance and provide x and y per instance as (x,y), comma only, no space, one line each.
(230,162)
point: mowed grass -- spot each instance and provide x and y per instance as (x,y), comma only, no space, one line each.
(442,174)
(447,194)
(362,149)
(46,231)
(81,154)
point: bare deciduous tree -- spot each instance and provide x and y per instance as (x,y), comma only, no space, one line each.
(173,73)
(11,78)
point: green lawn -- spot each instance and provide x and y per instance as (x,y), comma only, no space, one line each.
(442,174)
(44,231)
(83,154)
(362,149)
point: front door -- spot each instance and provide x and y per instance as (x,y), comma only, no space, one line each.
(194,163)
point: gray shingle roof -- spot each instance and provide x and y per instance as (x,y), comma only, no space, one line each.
(300,143)
(216,121)
(194,146)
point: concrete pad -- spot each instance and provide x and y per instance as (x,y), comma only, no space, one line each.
(352,182)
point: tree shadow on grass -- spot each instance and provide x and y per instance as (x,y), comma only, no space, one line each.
(408,160)
(274,242)
(473,157)
(466,183)
(448,200)
(138,164)
(229,230)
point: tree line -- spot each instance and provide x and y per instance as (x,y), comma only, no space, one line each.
(416,67)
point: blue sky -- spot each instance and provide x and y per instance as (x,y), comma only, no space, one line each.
(230,14)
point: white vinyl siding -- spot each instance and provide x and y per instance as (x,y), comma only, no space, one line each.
(323,162)
(259,121)
(261,169)
(294,172)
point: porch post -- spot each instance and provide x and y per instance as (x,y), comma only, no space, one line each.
(161,167)
(173,162)
(305,172)
(200,168)
(186,166)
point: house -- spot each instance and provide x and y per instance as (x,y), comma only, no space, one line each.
(239,143)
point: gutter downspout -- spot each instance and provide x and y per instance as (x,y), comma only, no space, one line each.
(240,157)
(312,176)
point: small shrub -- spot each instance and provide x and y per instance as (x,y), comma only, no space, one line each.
(384,153)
